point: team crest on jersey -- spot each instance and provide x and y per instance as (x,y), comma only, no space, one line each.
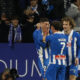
(68,44)
(73,70)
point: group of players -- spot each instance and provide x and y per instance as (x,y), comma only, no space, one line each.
(58,51)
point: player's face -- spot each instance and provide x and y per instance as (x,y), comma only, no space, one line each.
(33,3)
(45,26)
(66,26)
(15,22)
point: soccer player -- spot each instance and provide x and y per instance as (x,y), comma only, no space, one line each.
(57,42)
(73,48)
(42,48)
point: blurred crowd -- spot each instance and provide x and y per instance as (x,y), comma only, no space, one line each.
(9,74)
(23,22)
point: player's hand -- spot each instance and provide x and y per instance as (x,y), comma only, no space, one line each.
(44,38)
(76,61)
(38,25)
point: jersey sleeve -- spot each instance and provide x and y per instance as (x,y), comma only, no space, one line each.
(40,40)
(78,45)
(48,38)
(35,36)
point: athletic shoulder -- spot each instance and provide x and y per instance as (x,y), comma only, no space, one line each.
(76,34)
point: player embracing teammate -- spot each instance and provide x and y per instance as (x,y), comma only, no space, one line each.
(63,50)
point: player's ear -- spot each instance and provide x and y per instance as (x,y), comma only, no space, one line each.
(52,27)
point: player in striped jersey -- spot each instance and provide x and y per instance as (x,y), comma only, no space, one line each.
(57,42)
(42,48)
(73,48)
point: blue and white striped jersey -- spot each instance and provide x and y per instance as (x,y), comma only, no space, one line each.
(43,49)
(58,47)
(73,47)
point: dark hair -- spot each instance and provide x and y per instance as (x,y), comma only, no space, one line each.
(70,20)
(14,17)
(73,1)
(14,73)
(56,25)
(33,0)
(43,20)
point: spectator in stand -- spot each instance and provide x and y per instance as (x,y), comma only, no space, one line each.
(4,28)
(4,74)
(10,77)
(15,33)
(74,12)
(47,8)
(9,74)
(35,9)
(54,9)
(28,29)
(58,9)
